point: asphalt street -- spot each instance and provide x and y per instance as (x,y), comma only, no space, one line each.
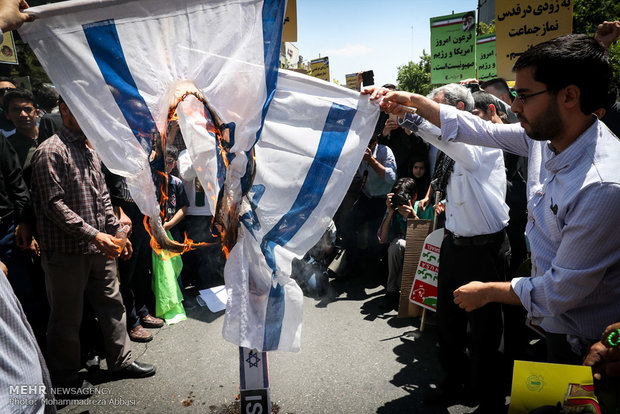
(354,359)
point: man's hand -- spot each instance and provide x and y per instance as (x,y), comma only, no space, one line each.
(388,202)
(127,251)
(23,237)
(368,155)
(471,296)
(108,245)
(439,208)
(407,211)
(390,125)
(392,101)
(607,33)
(603,360)
(34,247)
(11,17)
(423,203)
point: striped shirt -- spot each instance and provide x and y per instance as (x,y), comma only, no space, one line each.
(71,198)
(573,222)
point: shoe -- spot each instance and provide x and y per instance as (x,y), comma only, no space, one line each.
(92,362)
(390,300)
(136,370)
(152,322)
(139,334)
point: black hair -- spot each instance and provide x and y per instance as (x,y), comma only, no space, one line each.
(46,97)
(390,86)
(482,100)
(14,94)
(172,151)
(499,84)
(575,59)
(405,185)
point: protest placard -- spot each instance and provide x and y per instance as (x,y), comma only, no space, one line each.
(320,68)
(424,289)
(453,42)
(520,26)
(8,54)
(486,62)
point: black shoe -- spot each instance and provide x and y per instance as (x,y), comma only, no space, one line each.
(92,363)
(390,300)
(136,370)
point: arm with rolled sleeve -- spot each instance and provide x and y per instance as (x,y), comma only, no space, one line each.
(386,159)
(591,228)
(49,173)
(467,156)
(461,126)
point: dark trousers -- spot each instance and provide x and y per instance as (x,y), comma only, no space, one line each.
(26,279)
(204,266)
(368,211)
(69,279)
(459,265)
(135,273)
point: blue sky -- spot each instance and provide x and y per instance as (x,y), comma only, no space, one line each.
(365,34)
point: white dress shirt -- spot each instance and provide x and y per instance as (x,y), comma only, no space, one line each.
(573,225)
(477,186)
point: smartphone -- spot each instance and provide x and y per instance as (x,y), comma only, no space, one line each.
(368,78)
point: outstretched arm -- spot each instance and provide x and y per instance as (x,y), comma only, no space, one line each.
(11,16)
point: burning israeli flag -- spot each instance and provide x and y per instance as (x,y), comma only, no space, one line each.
(127,69)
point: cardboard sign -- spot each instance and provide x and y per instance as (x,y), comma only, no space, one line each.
(519,26)
(453,43)
(417,230)
(486,59)
(536,384)
(351,79)
(424,289)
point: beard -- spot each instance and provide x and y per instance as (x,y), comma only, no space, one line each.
(546,125)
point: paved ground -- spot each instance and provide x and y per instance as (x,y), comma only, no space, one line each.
(354,359)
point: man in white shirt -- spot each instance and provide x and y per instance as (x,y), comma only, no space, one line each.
(476,247)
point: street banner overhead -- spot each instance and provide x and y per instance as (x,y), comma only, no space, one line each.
(486,62)
(123,67)
(520,26)
(320,68)
(453,43)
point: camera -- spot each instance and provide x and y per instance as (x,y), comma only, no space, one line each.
(400,199)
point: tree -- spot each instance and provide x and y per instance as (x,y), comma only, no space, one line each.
(588,14)
(416,77)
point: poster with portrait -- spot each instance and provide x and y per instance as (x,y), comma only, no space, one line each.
(8,54)
(453,44)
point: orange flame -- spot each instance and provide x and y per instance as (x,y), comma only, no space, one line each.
(166,254)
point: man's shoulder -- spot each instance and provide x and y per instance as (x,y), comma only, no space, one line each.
(52,145)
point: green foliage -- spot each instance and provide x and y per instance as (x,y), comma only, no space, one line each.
(483,28)
(588,14)
(416,77)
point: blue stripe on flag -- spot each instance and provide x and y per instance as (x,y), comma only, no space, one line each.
(242,368)
(332,141)
(106,47)
(273,20)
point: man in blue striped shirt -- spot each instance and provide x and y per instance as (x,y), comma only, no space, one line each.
(573,190)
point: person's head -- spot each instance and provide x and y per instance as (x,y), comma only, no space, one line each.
(484,106)
(46,97)
(418,168)
(559,84)
(19,108)
(468,21)
(68,120)
(498,88)
(405,192)
(172,154)
(5,85)
(455,95)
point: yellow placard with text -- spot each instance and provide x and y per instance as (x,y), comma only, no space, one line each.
(8,54)
(519,26)
(536,384)
(320,68)
(289,30)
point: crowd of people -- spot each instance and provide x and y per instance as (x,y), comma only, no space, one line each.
(489,164)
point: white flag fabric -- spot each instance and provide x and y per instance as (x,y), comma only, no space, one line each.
(121,66)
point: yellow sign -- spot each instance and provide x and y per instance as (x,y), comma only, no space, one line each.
(320,68)
(535,384)
(289,30)
(8,54)
(520,26)
(351,81)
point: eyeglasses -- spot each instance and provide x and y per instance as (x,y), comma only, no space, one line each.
(28,109)
(523,97)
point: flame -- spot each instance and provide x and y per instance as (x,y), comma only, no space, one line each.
(166,254)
